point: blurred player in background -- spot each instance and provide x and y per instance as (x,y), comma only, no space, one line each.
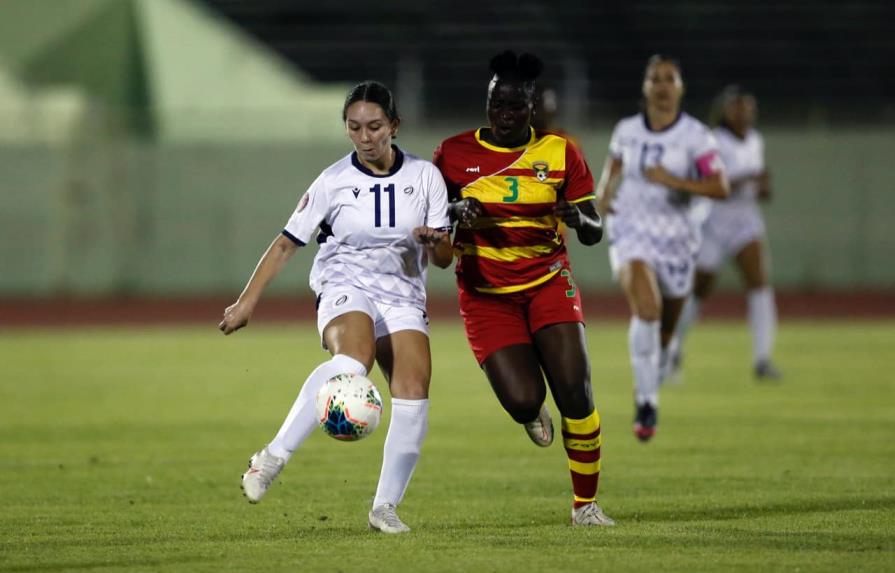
(660,161)
(511,186)
(735,230)
(543,116)
(381,215)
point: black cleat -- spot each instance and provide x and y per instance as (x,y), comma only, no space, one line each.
(767,372)
(645,419)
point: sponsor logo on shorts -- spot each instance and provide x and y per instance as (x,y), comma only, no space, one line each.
(341,300)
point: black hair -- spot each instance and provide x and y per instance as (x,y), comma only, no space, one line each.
(525,69)
(730,93)
(660,58)
(374,92)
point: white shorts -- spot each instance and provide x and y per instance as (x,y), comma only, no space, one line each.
(673,273)
(337,300)
(728,229)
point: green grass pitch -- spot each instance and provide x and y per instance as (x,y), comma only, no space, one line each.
(122,448)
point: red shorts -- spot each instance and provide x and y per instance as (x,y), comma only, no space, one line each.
(494,321)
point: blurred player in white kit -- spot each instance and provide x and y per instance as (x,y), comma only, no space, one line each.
(661,163)
(735,230)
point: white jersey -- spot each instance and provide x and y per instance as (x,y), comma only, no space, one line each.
(649,213)
(366,223)
(736,221)
(742,158)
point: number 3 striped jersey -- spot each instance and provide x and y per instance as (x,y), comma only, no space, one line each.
(515,244)
(366,223)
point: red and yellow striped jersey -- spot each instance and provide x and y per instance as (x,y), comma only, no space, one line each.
(515,244)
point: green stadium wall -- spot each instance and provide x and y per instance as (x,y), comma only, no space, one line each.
(112,217)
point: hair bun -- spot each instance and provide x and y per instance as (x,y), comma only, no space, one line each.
(526,67)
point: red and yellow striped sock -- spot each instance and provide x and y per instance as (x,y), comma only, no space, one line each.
(582,441)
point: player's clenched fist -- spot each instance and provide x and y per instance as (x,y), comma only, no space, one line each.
(429,236)
(235,317)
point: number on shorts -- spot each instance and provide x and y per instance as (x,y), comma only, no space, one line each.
(568,276)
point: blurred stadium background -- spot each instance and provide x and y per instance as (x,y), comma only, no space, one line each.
(152,148)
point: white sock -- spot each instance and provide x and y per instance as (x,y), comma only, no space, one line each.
(763,322)
(406,431)
(643,344)
(302,418)
(689,314)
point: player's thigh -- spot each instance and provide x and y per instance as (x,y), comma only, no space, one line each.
(351,334)
(406,363)
(515,375)
(641,288)
(703,283)
(345,319)
(751,263)
(671,312)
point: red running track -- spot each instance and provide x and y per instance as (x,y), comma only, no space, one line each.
(207,310)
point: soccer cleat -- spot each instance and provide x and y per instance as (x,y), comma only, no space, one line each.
(765,370)
(645,419)
(590,514)
(264,467)
(540,430)
(385,518)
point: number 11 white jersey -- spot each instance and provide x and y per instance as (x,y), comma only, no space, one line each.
(366,223)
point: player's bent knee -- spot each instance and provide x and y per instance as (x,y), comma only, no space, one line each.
(416,388)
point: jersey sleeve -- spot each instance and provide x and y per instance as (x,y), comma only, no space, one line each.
(437,213)
(706,154)
(309,213)
(440,159)
(579,184)
(615,144)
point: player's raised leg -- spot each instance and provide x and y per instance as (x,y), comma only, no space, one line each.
(405,359)
(350,338)
(515,376)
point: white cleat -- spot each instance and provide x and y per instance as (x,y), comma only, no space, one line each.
(540,430)
(591,514)
(385,518)
(264,467)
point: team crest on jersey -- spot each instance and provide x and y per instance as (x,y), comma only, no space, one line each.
(303,202)
(541,170)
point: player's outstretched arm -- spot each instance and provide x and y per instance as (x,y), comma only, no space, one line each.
(272,262)
(582,217)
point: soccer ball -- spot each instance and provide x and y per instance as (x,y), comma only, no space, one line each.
(348,407)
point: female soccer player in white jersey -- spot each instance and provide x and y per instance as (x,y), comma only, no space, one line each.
(381,215)
(735,229)
(660,161)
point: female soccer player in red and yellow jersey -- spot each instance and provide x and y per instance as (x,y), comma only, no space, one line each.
(510,186)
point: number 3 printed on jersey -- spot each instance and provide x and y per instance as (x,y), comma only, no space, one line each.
(377,194)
